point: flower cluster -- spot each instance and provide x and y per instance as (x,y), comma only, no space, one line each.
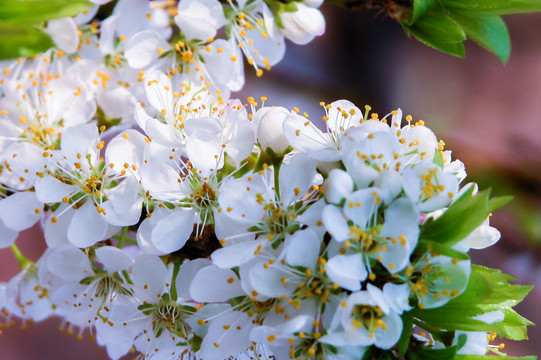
(187,225)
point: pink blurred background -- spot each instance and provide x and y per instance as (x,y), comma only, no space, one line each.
(487,113)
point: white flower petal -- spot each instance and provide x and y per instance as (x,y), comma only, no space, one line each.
(335,223)
(212,284)
(57,233)
(7,236)
(142,48)
(64,33)
(144,235)
(20,210)
(150,274)
(172,232)
(296,177)
(361,205)
(302,249)
(270,133)
(302,25)
(337,186)
(347,271)
(199,19)
(230,342)
(69,263)
(81,139)
(113,259)
(126,204)
(186,274)
(117,103)
(87,227)
(50,190)
(272,281)
(236,255)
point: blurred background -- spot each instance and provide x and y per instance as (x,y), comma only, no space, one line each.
(487,113)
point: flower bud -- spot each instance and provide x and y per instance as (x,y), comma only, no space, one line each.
(270,134)
(302,25)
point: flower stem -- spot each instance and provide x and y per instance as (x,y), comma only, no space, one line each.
(123,238)
(277,163)
(176,269)
(23,261)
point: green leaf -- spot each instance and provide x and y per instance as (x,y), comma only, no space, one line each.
(491,7)
(459,220)
(489,32)
(498,202)
(488,290)
(489,357)
(37,11)
(436,26)
(22,40)
(443,249)
(420,9)
(19,21)
(439,31)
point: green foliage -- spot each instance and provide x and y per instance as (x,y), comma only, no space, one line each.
(445,24)
(488,357)
(427,353)
(439,31)
(488,290)
(492,7)
(21,24)
(461,218)
(490,32)
(22,40)
(31,12)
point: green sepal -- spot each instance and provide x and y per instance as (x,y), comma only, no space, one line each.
(278,7)
(158,329)
(145,307)
(187,309)
(166,297)
(490,32)
(195,343)
(104,120)
(438,158)
(87,280)
(237,300)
